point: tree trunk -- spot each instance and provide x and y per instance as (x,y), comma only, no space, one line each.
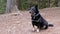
(48,3)
(19,4)
(11,6)
(8,6)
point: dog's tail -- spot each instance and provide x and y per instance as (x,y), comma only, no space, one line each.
(50,25)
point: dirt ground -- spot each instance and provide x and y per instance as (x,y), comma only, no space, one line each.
(21,24)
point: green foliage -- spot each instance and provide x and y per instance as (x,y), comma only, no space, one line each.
(2,6)
(25,4)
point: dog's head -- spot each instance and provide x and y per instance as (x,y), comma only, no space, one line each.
(33,10)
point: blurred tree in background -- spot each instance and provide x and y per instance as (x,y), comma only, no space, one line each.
(25,4)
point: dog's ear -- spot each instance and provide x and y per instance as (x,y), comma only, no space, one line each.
(36,6)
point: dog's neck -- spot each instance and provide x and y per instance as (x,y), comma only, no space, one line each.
(37,14)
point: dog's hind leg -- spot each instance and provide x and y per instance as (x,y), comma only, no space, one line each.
(45,25)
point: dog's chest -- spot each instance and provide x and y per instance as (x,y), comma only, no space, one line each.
(35,17)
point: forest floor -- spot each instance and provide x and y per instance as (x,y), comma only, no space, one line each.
(21,23)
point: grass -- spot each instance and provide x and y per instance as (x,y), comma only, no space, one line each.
(2,6)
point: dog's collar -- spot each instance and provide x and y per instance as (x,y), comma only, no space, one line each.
(37,14)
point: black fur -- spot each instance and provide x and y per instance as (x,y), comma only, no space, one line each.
(37,19)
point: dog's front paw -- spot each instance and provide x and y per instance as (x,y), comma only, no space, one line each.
(37,30)
(34,30)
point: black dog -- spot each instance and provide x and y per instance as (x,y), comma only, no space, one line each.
(37,19)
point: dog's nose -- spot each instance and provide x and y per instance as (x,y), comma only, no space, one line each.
(29,12)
